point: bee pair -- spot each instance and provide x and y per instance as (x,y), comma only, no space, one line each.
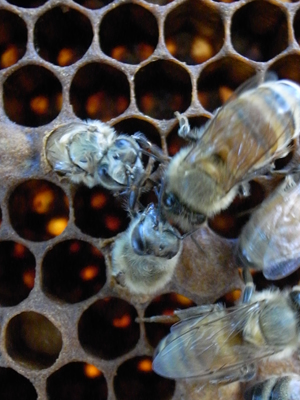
(240,142)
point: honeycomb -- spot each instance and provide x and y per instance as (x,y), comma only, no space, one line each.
(68,330)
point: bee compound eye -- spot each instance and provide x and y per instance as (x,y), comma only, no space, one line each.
(169,200)
(137,241)
(200,218)
(121,143)
(103,171)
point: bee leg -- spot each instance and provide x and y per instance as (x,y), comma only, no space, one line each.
(148,148)
(185,130)
(249,288)
(244,189)
(120,278)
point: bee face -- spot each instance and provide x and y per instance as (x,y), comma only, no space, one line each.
(241,141)
(145,256)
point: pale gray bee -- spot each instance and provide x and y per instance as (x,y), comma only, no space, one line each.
(223,345)
(270,241)
(92,153)
(242,140)
(145,256)
(285,387)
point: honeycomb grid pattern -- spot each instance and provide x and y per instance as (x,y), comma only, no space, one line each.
(66,327)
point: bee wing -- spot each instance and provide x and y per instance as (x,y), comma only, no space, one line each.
(210,347)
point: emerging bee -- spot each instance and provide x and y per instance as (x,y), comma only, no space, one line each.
(145,256)
(276,387)
(242,140)
(92,153)
(270,241)
(217,344)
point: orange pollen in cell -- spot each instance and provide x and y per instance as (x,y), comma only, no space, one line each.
(57,225)
(122,322)
(145,365)
(91,371)
(185,301)
(65,57)
(112,223)
(98,200)
(93,103)
(168,312)
(74,247)
(89,272)
(43,201)
(9,57)
(28,278)
(19,250)
(233,296)
(39,104)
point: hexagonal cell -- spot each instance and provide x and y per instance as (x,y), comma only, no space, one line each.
(15,386)
(287,67)
(32,96)
(175,142)
(99,91)
(194,32)
(228,223)
(219,79)
(13,38)
(17,271)
(73,271)
(38,210)
(108,329)
(93,4)
(162,87)
(32,340)
(136,380)
(99,213)
(128,33)
(163,305)
(77,380)
(259,30)
(27,4)
(62,35)
(296,26)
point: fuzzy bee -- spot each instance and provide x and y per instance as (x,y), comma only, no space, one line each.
(241,141)
(270,241)
(223,345)
(92,153)
(145,256)
(285,387)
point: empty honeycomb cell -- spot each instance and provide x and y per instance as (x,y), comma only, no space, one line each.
(135,380)
(259,30)
(99,213)
(73,271)
(228,223)
(77,380)
(219,79)
(99,91)
(27,4)
(296,26)
(15,386)
(62,35)
(93,4)
(134,125)
(128,33)
(162,87)
(287,67)
(32,340)
(31,96)
(108,329)
(17,272)
(175,142)
(194,32)
(34,207)
(13,38)
(163,305)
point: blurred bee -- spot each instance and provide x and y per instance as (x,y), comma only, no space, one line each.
(145,256)
(270,241)
(276,387)
(242,140)
(92,153)
(223,345)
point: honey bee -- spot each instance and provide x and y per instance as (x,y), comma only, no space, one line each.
(216,344)
(92,153)
(270,241)
(241,141)
(276,387)
(145,256)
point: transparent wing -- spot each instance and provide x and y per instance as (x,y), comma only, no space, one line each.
(210,347)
